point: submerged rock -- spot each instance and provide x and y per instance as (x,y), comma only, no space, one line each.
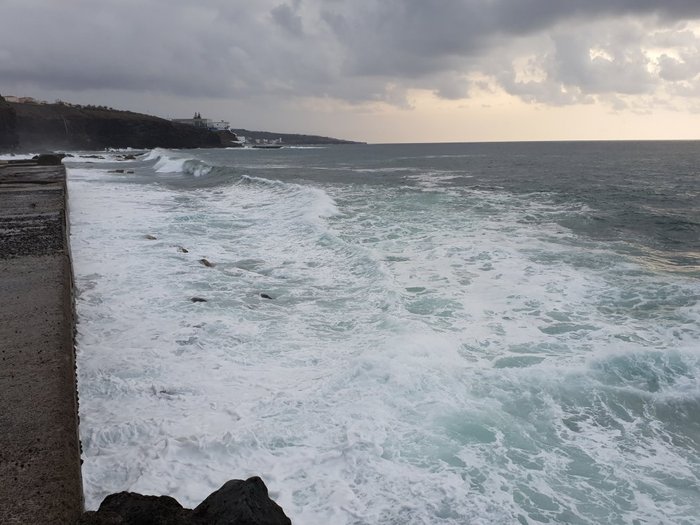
(182,249)
(238,502)
(48,159)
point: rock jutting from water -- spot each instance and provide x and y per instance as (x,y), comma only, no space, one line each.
(238,502)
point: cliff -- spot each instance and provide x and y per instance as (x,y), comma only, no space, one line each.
(37,126)
(60,126)
(8,126)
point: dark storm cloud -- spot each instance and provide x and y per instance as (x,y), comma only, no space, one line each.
(409,37)
(359,50)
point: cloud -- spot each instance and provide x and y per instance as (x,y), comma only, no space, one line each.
(552,52)
(287,18)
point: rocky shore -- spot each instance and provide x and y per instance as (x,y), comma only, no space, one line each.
(238,502)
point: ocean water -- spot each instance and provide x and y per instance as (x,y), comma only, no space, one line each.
(457,333)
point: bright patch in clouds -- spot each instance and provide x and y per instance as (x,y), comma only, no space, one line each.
(258,63)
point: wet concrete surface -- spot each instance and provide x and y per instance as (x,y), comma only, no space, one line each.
(40,478)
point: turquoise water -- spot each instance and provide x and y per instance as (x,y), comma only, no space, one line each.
(497,333)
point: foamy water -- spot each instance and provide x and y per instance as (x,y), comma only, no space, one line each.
(435,351)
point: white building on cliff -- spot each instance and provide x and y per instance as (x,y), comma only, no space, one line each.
(198,122)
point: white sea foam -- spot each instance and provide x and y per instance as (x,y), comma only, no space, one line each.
(169,165)
(156,154)
(426,357)
(392,169)
(17,156)
(87,158)
(167,161)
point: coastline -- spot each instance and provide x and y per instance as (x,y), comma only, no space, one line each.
(28,127)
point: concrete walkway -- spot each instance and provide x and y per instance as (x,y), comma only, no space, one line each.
(40,479)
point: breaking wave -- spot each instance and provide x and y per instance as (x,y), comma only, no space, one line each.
(431,352)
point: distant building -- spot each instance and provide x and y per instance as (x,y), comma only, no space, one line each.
(198,122)
(219,125)
(23,100)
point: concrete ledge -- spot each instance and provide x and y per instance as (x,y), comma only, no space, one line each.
(40,479)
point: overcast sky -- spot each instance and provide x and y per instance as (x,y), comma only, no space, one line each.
(375,70)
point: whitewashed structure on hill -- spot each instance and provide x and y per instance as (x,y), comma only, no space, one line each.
(198,122)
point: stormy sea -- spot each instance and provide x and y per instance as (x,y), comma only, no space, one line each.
(503,333)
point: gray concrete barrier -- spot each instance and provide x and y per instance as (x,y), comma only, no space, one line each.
(40,481)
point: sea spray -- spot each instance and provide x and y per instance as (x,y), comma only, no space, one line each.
(448,338)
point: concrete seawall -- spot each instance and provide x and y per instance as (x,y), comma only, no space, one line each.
(40,479)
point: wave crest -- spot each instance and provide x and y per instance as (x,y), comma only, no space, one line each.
(167,161)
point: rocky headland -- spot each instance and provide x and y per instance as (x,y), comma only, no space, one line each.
(294,139)
(68,127)
(35,126)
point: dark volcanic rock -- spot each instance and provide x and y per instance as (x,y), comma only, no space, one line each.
(8,126)
(241,502)
(61,126)
(229,139)
(238,502)
(49,159)
(128,508)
